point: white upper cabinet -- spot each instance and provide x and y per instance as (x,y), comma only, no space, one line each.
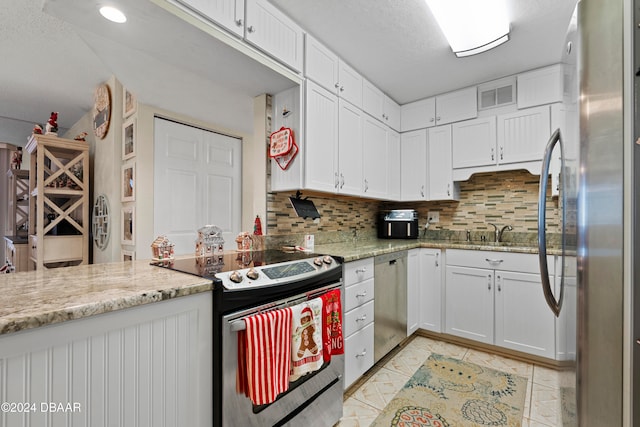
(413,165)
(439,165)
(375,159)
(474,143)
(523,135)
(325,68)
(541,86)
(226,13)
(393,161)
(350,124)
(320,64)
(440,110)
(273,32)
(380,106)
(320,149)
(418,115)
(456,106)
(349,84)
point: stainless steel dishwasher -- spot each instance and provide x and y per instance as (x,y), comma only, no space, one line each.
(390,302)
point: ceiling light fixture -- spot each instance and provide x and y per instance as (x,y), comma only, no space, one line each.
(113,14)
(471,26)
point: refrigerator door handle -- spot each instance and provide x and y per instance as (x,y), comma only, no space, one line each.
(554,304)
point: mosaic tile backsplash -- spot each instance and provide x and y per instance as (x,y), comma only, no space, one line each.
(502,198)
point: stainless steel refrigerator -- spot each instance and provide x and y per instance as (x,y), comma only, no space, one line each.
(597,203)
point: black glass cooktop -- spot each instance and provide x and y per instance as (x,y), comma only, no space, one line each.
(210,265)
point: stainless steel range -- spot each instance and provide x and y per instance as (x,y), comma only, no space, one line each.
(247,283)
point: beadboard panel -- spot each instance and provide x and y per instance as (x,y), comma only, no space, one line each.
(145,366)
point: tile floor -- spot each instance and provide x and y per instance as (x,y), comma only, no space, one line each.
(363,403)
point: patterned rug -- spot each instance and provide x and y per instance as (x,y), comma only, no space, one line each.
(446,392)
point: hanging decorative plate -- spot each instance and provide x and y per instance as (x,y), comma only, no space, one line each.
(100,225)
(283,147)
(101,111)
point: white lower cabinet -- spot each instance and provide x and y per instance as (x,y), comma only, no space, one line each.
(496,298)
(358,319)
(424,290)
(138,366)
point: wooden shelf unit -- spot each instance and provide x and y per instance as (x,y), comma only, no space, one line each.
(59,201)
(18,212)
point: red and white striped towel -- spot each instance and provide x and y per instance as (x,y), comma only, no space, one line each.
(266,345)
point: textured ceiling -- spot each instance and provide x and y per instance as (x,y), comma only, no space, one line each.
(53,59)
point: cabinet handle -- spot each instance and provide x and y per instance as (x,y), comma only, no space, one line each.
(363,353)
(337,85)
(437,255)
(341,88)
(341,181)
(239,22)
(366,185)
(336,180)
(438,119)
(361,270)
(493,261)
(422,191)
(448,189)
(489,282)
(250,29)
(361,318)
(362,295)
(501,153)
(493,157)
(498,283)
(432,119)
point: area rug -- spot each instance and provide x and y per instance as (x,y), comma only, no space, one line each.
(446,392)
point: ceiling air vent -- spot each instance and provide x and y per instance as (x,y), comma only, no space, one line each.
(497,93)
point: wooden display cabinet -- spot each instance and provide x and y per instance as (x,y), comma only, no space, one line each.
(18,207)
(59,201)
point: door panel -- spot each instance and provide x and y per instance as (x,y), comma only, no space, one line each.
(198,181)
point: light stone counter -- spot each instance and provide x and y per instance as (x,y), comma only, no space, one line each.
(37,298)
(354,250)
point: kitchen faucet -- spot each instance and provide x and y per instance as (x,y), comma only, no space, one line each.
(499,232)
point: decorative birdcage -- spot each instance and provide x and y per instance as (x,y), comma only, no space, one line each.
(209,241)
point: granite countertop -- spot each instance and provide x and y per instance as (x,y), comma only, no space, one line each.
(37,298)
(354,250)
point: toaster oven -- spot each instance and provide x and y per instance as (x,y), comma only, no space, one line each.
(398,224)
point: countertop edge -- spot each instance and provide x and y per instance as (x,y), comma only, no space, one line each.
(11,324)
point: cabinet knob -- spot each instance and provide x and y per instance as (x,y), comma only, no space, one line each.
(337,85)
(432,120)
(341,88)
(239,22)
(251,29)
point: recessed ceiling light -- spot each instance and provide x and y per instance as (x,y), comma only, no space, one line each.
(113,14)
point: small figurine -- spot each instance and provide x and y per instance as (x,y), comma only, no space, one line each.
(52,124)
(81,136)
(37,129)
(16,158)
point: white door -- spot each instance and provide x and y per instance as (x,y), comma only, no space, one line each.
(321,146)
(439,169)
(413,165)
(197,181)
(474,143)
(375,159)
(228,13)
(469,303)
(350,148)
(430,297)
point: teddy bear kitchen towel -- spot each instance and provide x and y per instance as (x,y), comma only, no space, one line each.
(267,360)
(306,338)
